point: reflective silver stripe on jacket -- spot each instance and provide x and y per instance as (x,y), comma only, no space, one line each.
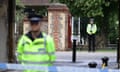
(51,53)
(31,62)
(41,49)
(42,52)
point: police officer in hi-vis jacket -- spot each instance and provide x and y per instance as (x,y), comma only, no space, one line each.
(36,47)
(91,31)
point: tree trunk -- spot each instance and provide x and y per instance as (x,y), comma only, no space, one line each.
(11,10)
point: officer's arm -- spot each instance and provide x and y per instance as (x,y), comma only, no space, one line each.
(19,49)
(51,48)
(88,29)
(95,29)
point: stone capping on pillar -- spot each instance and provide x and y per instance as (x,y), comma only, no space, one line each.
(57,7)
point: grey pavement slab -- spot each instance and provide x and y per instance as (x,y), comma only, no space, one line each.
(84,57)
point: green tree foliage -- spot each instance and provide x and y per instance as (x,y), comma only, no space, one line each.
(86,7)
(41,10)
(19,16)
(104,11)
(19,11)
(113,22)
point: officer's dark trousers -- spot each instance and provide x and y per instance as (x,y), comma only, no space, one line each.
(91,42)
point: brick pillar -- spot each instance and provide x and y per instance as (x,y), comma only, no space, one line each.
(58,15)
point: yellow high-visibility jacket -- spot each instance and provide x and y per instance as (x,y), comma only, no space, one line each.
(40,51)
(91,29)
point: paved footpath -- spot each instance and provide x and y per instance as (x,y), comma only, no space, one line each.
(83,58)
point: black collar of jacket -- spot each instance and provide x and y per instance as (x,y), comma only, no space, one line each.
(29,34)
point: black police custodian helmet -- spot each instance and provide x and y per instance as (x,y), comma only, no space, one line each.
(34,18)
(91,18)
